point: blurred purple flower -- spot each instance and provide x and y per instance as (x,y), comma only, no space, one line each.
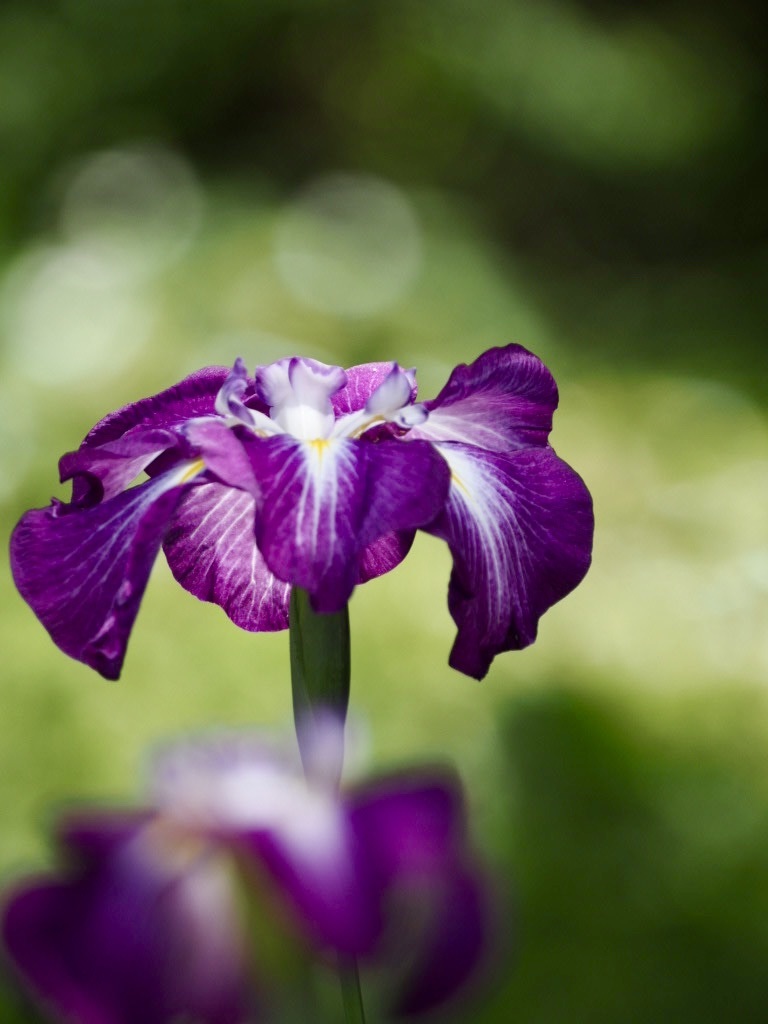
(145,925)
(313,476)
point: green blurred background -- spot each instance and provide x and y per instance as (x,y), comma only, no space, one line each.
(419,180)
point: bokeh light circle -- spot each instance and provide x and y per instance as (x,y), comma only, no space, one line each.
(349,245)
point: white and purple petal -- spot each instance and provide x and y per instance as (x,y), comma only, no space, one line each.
(223,452)
(502,401)
(298,393)
(211,550)
(325,502)
(99,472)
(519,527)
(384,555)
(128,937)
(84,571)
(390,402)
(362,381)
(253,799)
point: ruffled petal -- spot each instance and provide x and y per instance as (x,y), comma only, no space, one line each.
(212,552)
(520,530)
(504,400)
(191,397)
(325,502)
(83,571)
(102,471)
(126,441)
(129,939)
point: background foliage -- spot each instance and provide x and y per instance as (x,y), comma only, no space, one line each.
(185,182)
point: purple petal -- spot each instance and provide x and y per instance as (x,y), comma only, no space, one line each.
(101,472)
(361,383)
(129,938)
(83,571)
(408,823)
(503,400)
(212,552)
(412,830)
(191,397)
(520,528)
(330,901)
(253,799)
(384,555)
(407,486)
(453,945)
(223,453)
(325,502)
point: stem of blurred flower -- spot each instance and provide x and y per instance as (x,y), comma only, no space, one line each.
(351,993)
(320,677)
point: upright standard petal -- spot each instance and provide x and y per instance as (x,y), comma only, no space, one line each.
(298,394)
(362,381)
(502,401)
(325,502)
(83,571)
(519,527)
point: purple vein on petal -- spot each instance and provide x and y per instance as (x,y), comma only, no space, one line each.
(84,571)
(212,552)
(519,527)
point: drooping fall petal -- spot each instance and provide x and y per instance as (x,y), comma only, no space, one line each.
(325,502)
(502,401)
(519,527)
(84,571)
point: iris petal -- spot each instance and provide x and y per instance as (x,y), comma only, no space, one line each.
(519,527)
(222,452)
(413,831)
(84,571)
(125,940)
(502,401)
(331,901)
(384,555)
(100,472)
(212,552)
(191,397)
(361,383)
(325,502)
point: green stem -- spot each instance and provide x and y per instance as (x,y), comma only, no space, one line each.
(320,674)
(351,993)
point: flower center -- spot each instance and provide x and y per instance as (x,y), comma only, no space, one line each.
(298,394)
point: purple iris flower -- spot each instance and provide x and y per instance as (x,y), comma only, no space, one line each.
(147,924)
(312,476)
